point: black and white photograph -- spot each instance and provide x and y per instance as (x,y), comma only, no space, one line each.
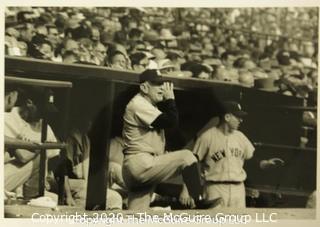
(160,114)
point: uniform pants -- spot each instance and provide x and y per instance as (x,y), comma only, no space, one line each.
(143,171)
(232,195)
(27,174)
(79,190)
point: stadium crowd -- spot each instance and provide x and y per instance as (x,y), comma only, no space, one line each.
(219,44)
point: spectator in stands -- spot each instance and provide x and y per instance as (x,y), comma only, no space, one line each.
(308,55)
(41,48)
(85,50)
(219,50)
(222,74)
(70,57)
(13,32)
(293,81)
(95,35)
(53,35)
(313,76)
(23,47)
(265,62)
(244,63)
(176,58)
(139,61)
(228,58)
(198,70)
(71,45)
(120,37)
(61,22)
(117,60)
(77,29)
(137,46)
(165,66)
(232,44)
(158,53)
(11,42)
(41,29)
(56,42)
(99,54)
(135,34)
(246,78)
(26,32)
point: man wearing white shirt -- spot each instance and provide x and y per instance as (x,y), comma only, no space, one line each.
(24,123)
(21,165)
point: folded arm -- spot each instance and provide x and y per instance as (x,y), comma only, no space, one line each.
(24,155)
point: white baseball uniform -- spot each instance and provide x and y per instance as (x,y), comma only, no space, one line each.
(145,162)
(222,158)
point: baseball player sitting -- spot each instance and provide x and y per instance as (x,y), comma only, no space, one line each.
(146,163)
(222,151)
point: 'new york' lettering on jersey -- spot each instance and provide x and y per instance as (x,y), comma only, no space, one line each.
(234,152)
(222,156)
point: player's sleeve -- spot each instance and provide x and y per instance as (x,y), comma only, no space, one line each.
(247,147)
(11,126)
(169,116)
(201,146)
(146,114)
(50,135)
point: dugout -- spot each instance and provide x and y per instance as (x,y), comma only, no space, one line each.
(100,95)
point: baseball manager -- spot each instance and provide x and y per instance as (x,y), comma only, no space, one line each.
(146,163)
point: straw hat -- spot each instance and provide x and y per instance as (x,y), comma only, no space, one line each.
(165,64)
(266,84)
(165,34)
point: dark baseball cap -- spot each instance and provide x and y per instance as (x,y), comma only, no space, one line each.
(153,76)
(36,95)
(233,108)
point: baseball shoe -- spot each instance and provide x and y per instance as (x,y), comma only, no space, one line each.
(207,204)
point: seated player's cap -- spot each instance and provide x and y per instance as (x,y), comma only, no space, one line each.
(36,95)
(234,108)
(153,76)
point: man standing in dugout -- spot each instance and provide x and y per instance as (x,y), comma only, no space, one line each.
(222,151)
(146,163)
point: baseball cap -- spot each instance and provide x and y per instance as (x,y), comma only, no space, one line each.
(233,108)
(36,94)
(152,75)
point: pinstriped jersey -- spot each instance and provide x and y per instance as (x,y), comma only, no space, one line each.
(222,156)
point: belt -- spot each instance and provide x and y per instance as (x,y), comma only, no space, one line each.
(153,154)
(225,182)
